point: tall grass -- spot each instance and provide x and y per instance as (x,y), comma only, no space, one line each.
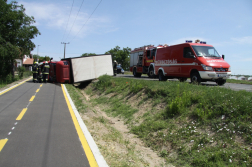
(199,125)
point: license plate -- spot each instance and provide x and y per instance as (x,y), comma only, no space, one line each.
(222,75)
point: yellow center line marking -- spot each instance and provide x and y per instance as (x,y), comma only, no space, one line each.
(87,150)
(41,85)
(32,98)
(21,114)
(2,143)
(37,90)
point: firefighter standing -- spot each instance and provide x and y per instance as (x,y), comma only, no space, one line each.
(115,67)
(35,71)
(39,74)
(46,71)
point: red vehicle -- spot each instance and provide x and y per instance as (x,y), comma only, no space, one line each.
(80,69)
(198,61)
(141,60)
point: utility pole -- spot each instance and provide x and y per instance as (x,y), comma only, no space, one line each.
(37,52)
(65,47)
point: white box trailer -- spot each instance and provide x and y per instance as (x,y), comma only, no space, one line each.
(90,67)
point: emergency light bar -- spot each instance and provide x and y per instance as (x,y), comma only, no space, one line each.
(188,41)
(203,42)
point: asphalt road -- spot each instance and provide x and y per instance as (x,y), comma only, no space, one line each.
(232,86)
(36,128)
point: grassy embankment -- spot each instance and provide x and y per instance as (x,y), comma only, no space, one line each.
(194,125)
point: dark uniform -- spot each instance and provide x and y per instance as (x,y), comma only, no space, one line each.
(46,69)
(39,75)
(35,72)
(115,68)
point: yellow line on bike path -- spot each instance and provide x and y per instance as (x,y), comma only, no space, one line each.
(2,143)
(32,98)
(87,150)
(20,116)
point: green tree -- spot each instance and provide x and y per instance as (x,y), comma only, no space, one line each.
(16,32)
(122,56)
(87,54)
(35,57)
(46,58)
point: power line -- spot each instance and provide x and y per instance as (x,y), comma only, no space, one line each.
(75,18)
(87,20)
(68,20)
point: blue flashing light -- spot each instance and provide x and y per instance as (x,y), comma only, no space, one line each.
(202,42)
(188,41)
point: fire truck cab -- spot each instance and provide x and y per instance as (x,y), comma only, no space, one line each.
(141,60)
(198,61)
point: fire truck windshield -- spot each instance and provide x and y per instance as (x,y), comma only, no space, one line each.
(206,51)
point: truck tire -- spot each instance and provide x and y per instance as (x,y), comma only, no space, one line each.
(221,82)
(151,73)
(136,74)
(161,76)
(195,78)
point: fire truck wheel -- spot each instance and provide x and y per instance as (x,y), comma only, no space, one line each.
(161,76)
(195,78)
(151,73)
(136,74)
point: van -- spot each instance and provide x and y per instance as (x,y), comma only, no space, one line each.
(198,61)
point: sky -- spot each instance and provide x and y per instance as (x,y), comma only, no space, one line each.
(96,26)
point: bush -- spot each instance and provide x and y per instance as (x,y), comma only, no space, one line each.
(21,71)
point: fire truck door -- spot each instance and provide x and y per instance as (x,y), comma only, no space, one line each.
(187,62)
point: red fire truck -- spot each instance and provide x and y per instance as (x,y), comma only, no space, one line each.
(142,60)
(198,61)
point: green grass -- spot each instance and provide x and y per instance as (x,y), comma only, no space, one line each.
(77,98)
(199,125)
(239,81)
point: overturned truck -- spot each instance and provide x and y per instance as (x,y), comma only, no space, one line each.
(80,69)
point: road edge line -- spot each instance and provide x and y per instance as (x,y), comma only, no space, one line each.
(94,148)
(12,87)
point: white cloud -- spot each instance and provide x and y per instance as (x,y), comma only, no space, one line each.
(55,16)
(243,40)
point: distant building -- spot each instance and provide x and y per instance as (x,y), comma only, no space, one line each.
(233,77)
(26,62)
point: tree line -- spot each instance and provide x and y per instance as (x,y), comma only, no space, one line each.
(122,56)
(16,32)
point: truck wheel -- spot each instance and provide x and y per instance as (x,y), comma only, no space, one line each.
(182,79)
(221,82)
(151,73)
(195,78)
(136,74)
(161,76)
